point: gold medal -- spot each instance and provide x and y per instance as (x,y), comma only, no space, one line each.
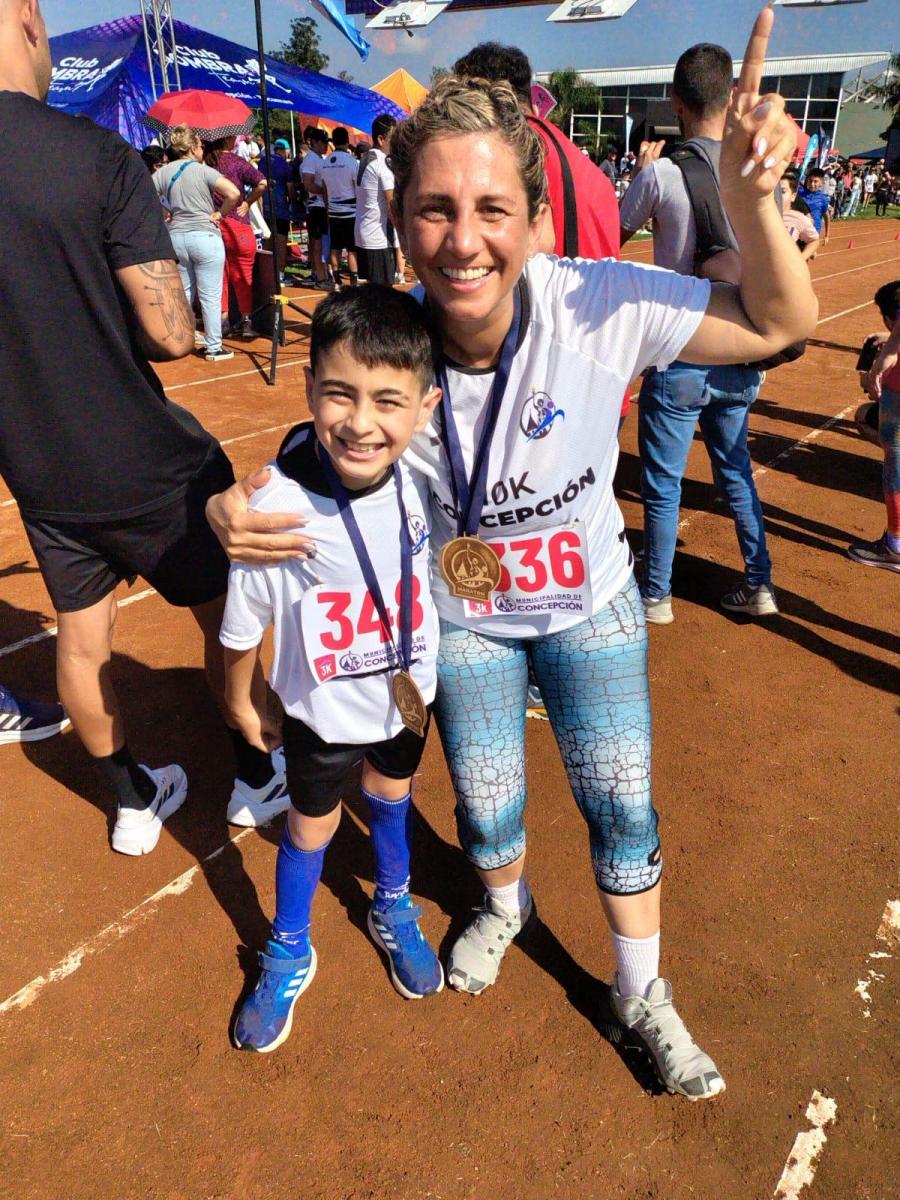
(409,701)
(470,567)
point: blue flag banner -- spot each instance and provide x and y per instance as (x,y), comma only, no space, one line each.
(811,148)
(330,11)
(102,73)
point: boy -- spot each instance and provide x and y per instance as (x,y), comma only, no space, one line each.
(885,552)
(796,217)
(817,202)
(355,637)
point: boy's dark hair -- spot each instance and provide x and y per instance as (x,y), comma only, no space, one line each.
(153,156)
(490,60)
(340,137)
(380,326)
(382,126)
(887,300)
(312,133)
(815,173)
(703,79)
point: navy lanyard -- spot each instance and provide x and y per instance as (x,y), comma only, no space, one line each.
(469,495)
(342,498)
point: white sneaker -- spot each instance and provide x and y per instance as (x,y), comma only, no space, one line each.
(258,806)
(658,610)
(680,1063)
(475,959)
(137,830)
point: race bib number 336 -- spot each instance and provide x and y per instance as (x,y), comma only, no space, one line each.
(343,634)
(540,572)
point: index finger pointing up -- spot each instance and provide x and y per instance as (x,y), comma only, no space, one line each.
(750,78)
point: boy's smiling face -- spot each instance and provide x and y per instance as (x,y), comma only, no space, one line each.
(365,416)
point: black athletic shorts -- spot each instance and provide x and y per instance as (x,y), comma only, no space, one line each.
(317,771)
(343,232)
(173,548)
(377,266)
(316,222)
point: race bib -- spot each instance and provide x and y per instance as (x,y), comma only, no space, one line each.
(343,634)
(541,572)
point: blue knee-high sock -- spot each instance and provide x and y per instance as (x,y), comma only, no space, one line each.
(391,829)
(297,874)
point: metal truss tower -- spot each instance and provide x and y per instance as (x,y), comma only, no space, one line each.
(159,38)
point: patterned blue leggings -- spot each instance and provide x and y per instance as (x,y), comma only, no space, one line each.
(593,680)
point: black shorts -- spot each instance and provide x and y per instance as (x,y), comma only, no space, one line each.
(377,266)
(317,771)
(173,548)
(343,232)
(316,222)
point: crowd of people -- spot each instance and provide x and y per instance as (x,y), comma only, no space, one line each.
(444,530)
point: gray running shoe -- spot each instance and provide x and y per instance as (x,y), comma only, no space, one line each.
(658,610)
(681,1064)
(875,554)
(755,602)
(475,958)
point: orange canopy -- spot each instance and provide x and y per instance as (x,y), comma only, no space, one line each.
(400,87)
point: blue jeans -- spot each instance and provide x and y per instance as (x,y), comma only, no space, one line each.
(201,264)
(671,404)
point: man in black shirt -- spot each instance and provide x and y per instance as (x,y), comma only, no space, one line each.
(110,477)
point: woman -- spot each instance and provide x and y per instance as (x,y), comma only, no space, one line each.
(189,190)
(237,232)
(537,353)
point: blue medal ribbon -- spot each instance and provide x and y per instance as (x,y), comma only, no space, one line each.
(469,495)
(345,508)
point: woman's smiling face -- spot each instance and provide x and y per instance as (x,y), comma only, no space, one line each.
(465,222)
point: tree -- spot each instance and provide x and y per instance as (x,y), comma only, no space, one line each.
(302,47)
(438,73)
(345,76)
(572,95)
(888,94)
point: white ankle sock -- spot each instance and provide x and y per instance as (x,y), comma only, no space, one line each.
(513,897)
(637,962)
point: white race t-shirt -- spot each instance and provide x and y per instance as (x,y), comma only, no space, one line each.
(869,182)
(331,668)
(312,165)
(338,173)
(375,180)
(590,328)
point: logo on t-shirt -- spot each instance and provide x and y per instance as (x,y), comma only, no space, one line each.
(418,532)
(537,416)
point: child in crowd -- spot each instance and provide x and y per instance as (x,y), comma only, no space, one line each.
(355,637)
(797,220)
(885,552)
(817,202)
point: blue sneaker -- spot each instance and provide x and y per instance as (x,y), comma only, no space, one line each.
(415,968)
(24,720)
(265,1020)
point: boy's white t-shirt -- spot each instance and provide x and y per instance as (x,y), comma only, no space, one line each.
(589,329)
(331,668)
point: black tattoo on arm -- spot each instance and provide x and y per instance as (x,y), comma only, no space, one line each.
(162,281)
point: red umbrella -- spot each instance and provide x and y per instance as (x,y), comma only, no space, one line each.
(212,115)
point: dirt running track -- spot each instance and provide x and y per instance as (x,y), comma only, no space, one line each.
(776,777)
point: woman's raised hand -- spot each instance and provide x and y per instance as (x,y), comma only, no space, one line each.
(759,138)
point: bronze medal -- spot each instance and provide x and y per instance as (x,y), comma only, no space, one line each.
(409,701)
(470,567)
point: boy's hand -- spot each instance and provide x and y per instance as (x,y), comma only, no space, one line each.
(262,730)
(257,539)
(759,138)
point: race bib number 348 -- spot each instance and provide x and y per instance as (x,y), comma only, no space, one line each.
(343,634)
(541,572)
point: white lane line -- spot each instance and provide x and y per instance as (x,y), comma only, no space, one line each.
(888,934)
(282,366)
(110,934)
(843,313)
(809,437)
(800,1168)
(850,249)
(882,262)
(53,630)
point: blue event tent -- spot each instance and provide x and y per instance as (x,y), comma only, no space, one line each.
(102,73)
